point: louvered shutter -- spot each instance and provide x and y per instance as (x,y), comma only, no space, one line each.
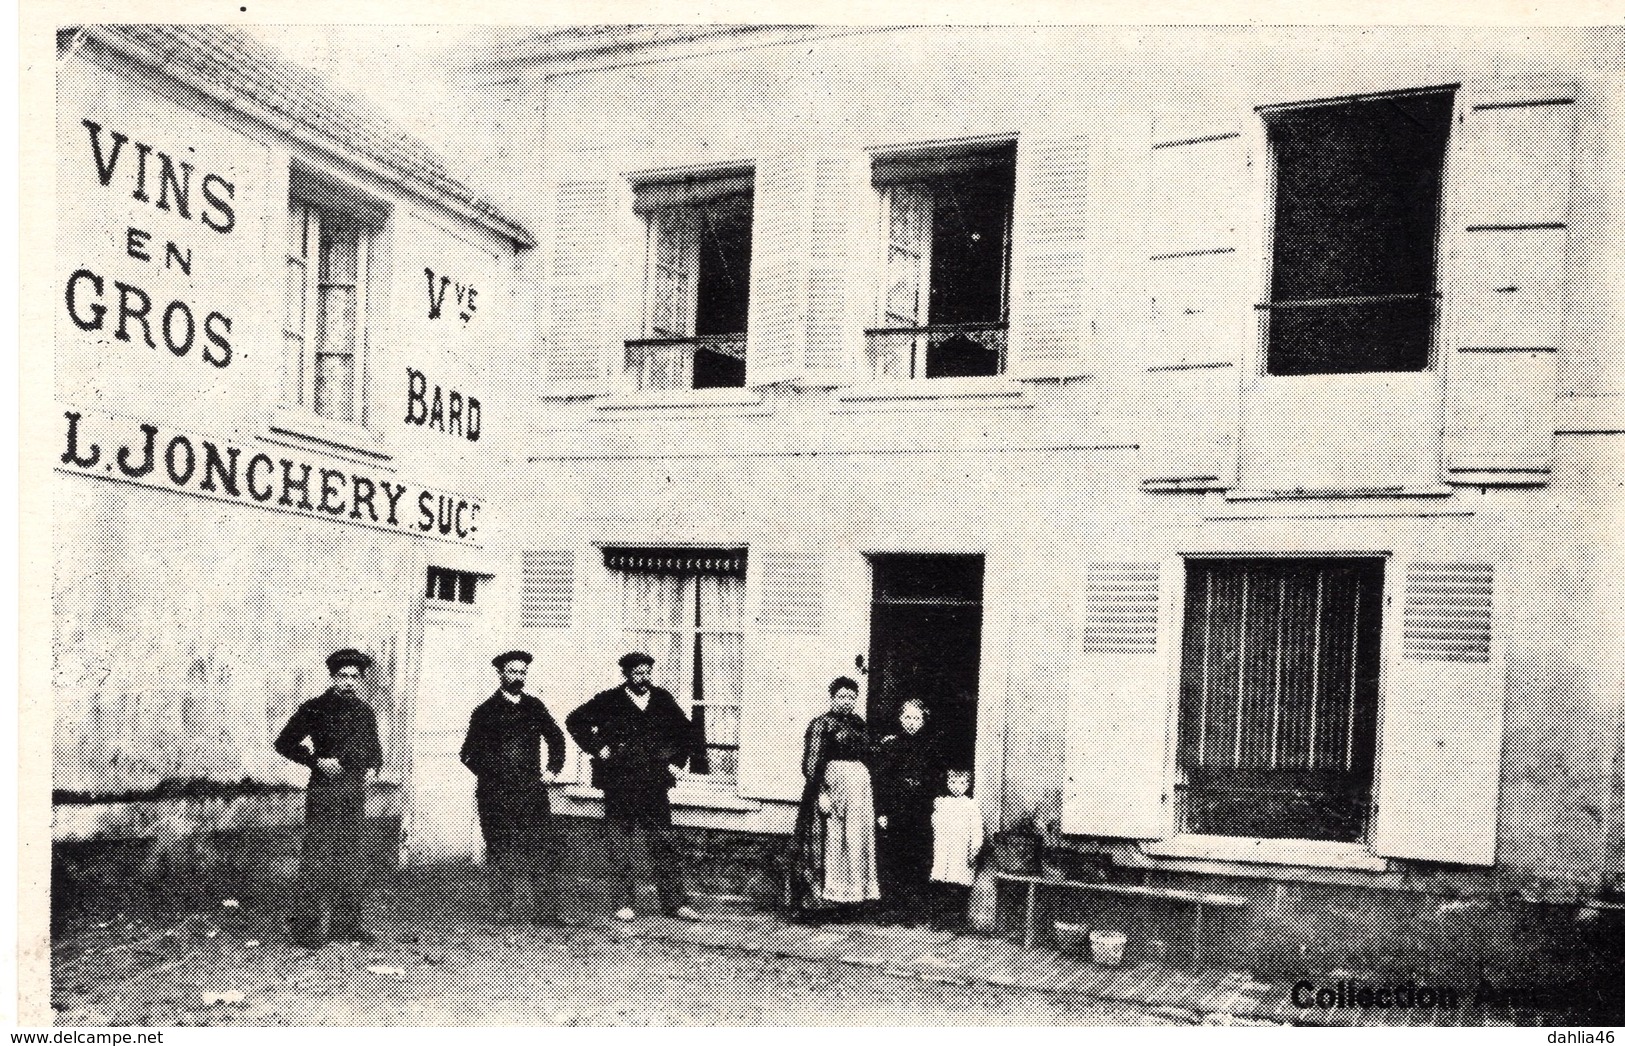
(1201,300)
(788,665)
(580,658)
(1120,700)
(1438,783)
(1504,280)
(546,589)
(1052,328)
(779,245)
(581,292)
(834,298)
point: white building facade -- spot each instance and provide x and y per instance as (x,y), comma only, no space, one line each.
(1219,428)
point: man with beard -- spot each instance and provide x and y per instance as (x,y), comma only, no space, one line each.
(503,749)
(639,738)
(336,735)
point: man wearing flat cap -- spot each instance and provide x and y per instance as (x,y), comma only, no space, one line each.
(638,738)
(503,749)
(336,735)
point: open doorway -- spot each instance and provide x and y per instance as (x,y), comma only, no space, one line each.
(925,641)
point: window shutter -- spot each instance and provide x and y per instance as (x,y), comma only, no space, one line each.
(832,292)
(785,666)
(580,325)
(1504,280)
(585,662)
(1052,316)
(1438,785)
(1202,302)
(1118,713)
(547,588)
(778,278)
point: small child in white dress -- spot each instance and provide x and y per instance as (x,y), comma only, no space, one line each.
(956,829)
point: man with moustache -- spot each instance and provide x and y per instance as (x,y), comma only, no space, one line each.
(639,738)
(336,735)
(503,749)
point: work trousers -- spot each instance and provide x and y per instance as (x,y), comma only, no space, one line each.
(657,853)
(333,861)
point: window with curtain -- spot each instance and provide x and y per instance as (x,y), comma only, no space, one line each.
(696,283)
(686,609)
(324,326)
(946,223)
(1278,697)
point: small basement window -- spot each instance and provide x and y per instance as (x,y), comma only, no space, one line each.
(1354,273)
(452,586)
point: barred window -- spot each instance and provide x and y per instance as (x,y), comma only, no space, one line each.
(1354,278)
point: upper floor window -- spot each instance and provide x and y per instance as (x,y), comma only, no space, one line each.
(945,298)
(1353,280)
(696,283)
(330,237)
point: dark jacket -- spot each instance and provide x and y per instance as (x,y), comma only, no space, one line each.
(339,727)
(504,743)
(643,746)
(908,776)
(504,750)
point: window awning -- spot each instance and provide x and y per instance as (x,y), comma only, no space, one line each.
(691,192)
(922,166)
(654,559)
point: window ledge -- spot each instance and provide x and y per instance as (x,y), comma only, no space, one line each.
(1001,388)
(1303,852)
(682,795)
(573,390)
(1303,494)
(339,437)
(746,397)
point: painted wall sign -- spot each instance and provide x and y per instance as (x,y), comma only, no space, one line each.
(465,295)
(447,410)
(109,447)
(128,310)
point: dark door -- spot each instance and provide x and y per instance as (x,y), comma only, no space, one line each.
(925,641)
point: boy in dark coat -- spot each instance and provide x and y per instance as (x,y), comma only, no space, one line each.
(638,738)
(503,749)
(336,735)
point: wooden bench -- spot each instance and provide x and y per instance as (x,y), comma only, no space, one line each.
(1199,901)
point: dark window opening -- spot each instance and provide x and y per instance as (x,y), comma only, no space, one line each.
(452,586)
(1278,697)
(1353,283)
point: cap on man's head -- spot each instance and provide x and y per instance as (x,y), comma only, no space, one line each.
(501,660)
(348,658)
(635,659)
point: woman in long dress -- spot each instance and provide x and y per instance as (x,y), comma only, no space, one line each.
(832,866)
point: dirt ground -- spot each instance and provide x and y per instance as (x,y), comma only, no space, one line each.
(232,965)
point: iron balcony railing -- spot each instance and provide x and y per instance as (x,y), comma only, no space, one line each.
(959,350)
(670,364)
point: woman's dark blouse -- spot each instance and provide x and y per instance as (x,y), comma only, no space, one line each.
(834,736)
